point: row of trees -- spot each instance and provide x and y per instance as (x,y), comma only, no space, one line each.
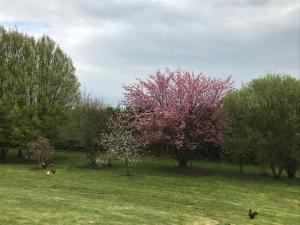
(40,97)
(84,124)
(259,123)
(183,111)
(265,124)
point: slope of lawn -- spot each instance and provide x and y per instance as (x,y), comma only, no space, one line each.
(156,193)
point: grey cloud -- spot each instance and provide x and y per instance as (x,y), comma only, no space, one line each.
(113,41)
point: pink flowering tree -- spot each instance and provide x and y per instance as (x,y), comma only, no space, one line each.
(179,108)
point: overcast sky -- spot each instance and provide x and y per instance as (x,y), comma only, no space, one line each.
(113,41)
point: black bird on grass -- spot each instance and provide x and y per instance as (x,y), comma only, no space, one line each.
(252,214)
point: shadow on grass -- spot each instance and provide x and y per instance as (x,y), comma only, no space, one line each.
(85,166)
(154,166)
(203,172)
(11,160)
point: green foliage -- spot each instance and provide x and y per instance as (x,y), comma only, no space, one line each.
(265,121)
(92,111)
(37,85)
(239,139)
(5,131)
(86,122)
(278,120)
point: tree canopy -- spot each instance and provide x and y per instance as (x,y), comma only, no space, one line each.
(37,85)
(178,107)
(265,121)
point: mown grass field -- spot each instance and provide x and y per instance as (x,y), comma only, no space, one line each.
(156,193)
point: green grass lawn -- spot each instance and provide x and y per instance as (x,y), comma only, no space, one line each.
(156,193)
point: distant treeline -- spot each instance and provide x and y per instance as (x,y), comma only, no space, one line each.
(191,116)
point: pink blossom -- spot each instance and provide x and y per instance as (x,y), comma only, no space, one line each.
(178,107)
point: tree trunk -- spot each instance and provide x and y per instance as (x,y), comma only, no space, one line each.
(276,175)
(241,168)
(291,173)
(40,162)
(93,161)
(127,168)
(19,153)
(109,162)
(182,158)
(280,172)
(3,153)
(92,158)
(273,171)
(291,169)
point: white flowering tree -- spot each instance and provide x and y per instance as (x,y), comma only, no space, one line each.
(119,141)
